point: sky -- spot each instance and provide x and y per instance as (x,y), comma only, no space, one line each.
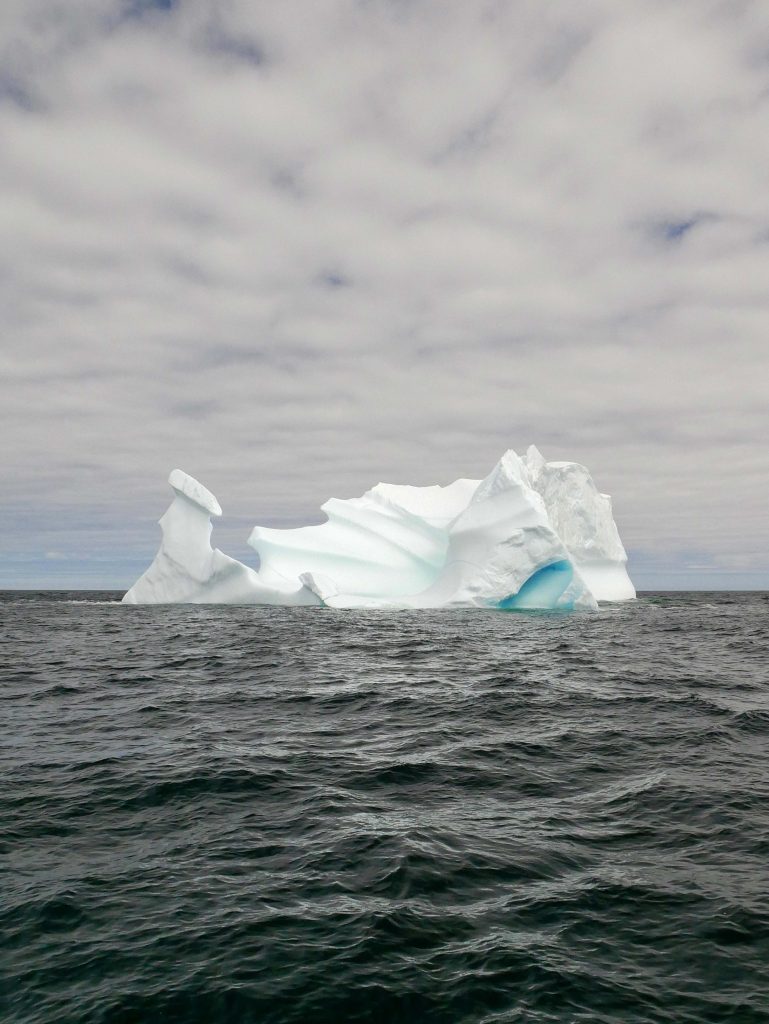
(298,247)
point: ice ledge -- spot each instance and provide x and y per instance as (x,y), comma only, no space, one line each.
(188,487)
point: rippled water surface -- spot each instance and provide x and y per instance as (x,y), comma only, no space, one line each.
(232,814)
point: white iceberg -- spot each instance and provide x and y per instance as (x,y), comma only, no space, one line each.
(532,534)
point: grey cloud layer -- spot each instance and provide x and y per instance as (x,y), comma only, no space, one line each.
(298,247)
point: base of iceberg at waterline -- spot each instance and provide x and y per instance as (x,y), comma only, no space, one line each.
(530,535)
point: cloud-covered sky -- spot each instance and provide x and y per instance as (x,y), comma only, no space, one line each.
(297,247)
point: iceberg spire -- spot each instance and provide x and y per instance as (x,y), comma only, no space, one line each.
(187,569)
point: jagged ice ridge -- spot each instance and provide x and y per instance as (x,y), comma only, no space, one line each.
(531,535)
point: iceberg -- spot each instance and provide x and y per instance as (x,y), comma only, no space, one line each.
(531,535)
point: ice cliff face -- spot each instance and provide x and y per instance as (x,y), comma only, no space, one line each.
(582,518)
(532,534)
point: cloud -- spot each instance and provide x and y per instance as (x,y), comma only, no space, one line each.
(294,248)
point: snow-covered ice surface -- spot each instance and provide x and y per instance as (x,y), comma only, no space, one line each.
(531,535)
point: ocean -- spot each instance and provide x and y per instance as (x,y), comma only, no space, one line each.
(306,816)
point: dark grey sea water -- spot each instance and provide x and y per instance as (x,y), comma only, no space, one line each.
(301,816)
